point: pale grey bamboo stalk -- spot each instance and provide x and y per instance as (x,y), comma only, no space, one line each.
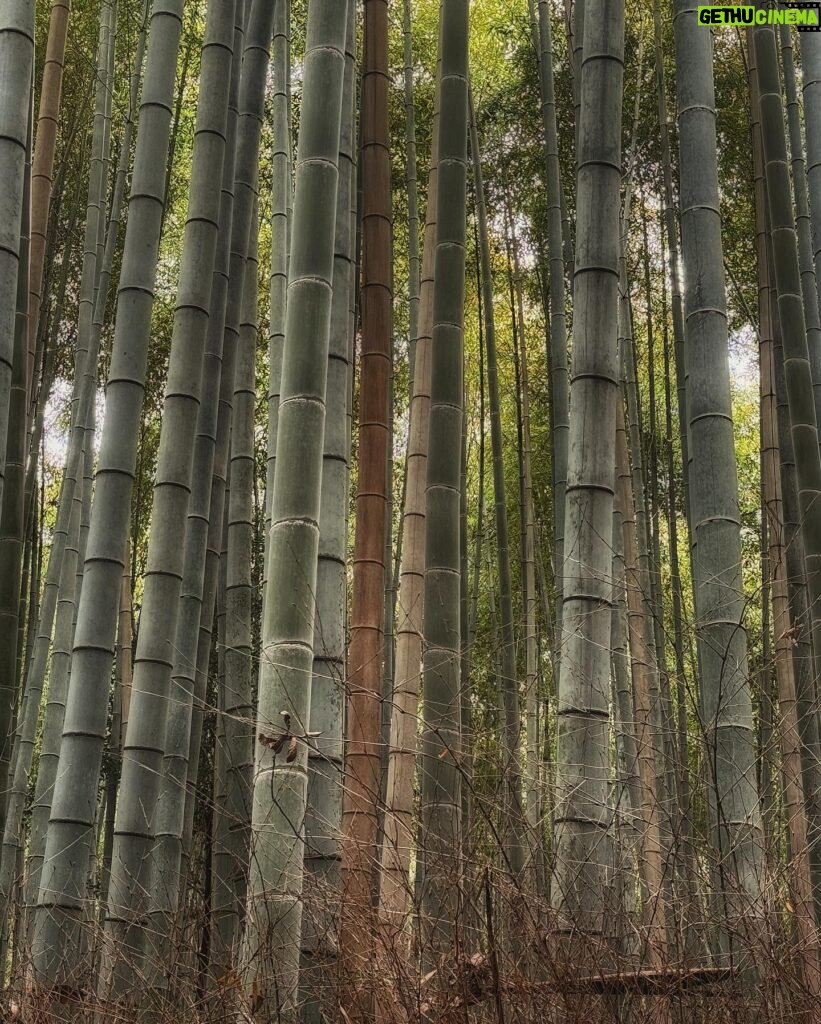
(323,814)
(726,713)
(582,815)
(274,915)
(57,946)
(398,822)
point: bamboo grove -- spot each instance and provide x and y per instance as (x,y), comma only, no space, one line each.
(410,512)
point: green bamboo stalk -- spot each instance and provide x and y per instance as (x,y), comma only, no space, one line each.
(205,511)
(789,515)
(57,949)
(281,199)
(803,226)
(274,914)
(557,356)
(131,895)
(810,44)
(323,815)
(673,260)
(510,770)
(87,347)
(797,359)
(12,526)
(17,61)
(236,701)
(440,783)
(725,702)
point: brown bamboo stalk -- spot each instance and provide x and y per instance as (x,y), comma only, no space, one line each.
(42,172)
(363,751)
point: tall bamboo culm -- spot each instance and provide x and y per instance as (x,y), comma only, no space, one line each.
(281,202)
(66,611)
(42,174)
(323,815)
(274,913)
(779,534)
(363,754)
(511,830)
(398,829)
(582,814)
(725,702)
(17,64)
(86,349)
(16,68)
(205,517)
(810,43)
(440,832)
(131,895)
(557,354)
(57,945)
(792,780)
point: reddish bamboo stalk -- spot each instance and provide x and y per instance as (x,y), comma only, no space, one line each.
(42,170)
(364,708)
